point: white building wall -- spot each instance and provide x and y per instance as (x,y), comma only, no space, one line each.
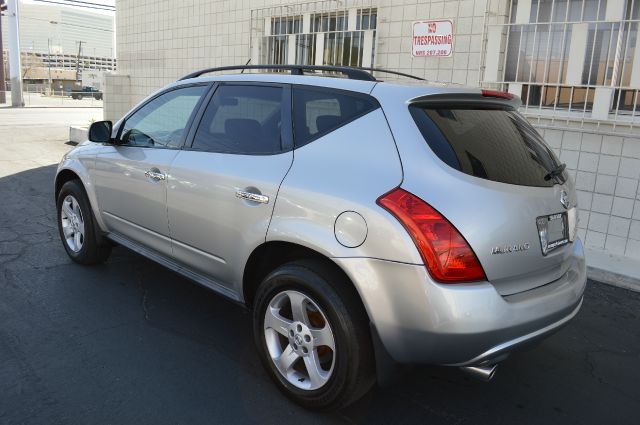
(606,169)
(160,41)
(468,16)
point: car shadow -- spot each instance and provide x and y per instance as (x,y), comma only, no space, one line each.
(129,340)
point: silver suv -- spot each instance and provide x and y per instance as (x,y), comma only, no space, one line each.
(361,221)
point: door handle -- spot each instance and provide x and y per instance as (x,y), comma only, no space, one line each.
(155,174)
(254,197)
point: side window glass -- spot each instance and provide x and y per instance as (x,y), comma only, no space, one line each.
(318,112)
(242,120)
(162,121)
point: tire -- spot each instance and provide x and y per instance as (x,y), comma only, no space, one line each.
(79,96)
(347,371)
(76,217)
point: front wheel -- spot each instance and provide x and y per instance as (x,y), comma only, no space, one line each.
(77,228)
(312,335)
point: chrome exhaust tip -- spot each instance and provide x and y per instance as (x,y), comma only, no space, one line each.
(484,373)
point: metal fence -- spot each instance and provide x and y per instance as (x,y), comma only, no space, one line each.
(54,99)
(559,81)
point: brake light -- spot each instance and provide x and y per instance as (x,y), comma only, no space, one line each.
(446,254)
(496,93)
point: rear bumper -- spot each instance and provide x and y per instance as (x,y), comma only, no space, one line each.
(421,321)
(506,347)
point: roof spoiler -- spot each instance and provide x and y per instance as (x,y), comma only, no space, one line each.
(484,97)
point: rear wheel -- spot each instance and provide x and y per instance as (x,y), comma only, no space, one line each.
(312,335)
(76,225)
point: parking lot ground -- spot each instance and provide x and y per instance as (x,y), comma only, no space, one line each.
(130,342)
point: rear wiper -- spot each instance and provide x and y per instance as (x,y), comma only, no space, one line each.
(556,172)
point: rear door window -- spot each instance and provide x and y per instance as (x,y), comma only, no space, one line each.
(492,143)
(318,111)
(242,119)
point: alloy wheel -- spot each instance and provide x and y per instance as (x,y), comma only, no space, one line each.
(299,340)
(72,223)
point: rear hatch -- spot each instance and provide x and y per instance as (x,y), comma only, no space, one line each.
(503,188)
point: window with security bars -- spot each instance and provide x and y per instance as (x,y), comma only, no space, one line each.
(276,45)
(329,22)
(538,55)
(289,25)
(367,19)
(321,38)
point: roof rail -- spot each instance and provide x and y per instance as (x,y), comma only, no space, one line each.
(387,71)
(351,73)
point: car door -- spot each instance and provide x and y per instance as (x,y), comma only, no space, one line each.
(222,188)
(130,176)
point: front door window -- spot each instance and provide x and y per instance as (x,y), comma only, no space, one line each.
(162,121)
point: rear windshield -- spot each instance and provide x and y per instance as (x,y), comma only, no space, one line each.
(491,143)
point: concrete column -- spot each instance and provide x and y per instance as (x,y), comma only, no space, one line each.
(114,52)
(319,49)
(352,23)
(2,86)
(267,26)
(635,70)
(255,52)
(578,49)
(516,89)
(615,10)
(15,65)
(602,103)
(291,49)
(492,58)
(367,49)
(523,12)
(306,23)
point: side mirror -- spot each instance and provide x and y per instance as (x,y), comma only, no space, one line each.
(100,132)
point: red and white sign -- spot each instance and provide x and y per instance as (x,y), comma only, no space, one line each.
(432,38)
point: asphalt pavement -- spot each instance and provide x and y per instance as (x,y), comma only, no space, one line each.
(129,342)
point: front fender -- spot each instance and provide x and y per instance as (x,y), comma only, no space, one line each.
(79,162)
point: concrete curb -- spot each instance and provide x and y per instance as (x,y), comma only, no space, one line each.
(614,270)
(78,134)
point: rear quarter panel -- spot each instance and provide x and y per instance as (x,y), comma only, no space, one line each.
(346,170)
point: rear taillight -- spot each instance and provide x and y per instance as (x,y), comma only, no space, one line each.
(496,93)
(446,254)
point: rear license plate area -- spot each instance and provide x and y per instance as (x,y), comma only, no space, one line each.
(553,231)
